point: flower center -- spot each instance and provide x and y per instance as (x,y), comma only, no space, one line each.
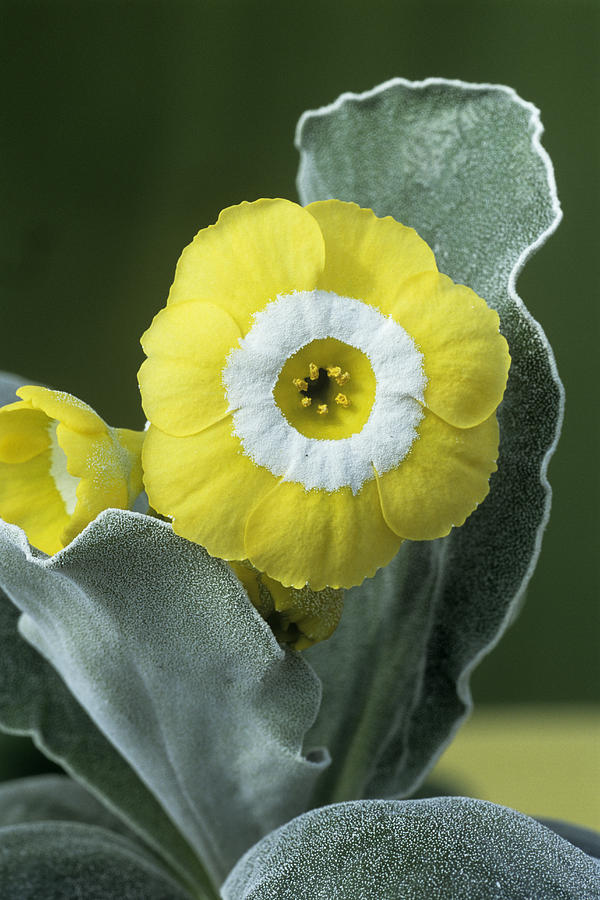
(326,389)
(315,386)
(343,446)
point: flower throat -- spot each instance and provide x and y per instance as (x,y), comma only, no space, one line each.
(316,387)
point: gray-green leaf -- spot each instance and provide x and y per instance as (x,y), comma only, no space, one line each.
(446,848)
(584,838)
(463,165)
(160,645)
(42,798)
(8,385)
(67,861)
(34,701)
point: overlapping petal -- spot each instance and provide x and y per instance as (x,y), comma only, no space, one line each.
(367,257)
(323,539)
(442,480)
(29,497)
(206,484)
(187,346)
(466,357)
(23,434)
(253,253)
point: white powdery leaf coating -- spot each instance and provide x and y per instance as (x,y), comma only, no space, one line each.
(161,646)
(67,860)
(437,849)
(34,701)
(51,798)
(463,165)
(285,326)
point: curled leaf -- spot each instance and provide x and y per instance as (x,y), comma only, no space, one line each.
(463,165)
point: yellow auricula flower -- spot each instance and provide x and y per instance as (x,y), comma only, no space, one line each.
(318,392)
(61,465)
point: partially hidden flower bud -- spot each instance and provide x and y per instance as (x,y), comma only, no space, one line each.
(298,617)
(61,465)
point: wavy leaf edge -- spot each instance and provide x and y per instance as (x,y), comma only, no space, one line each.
(463,688)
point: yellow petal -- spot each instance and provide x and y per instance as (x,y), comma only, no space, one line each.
(323,539)
(65,407)
(206,484)
(29,498)
(253,253)
(23,432)
(442,480)
(366,257)
(102,468)
(187,346)
(132,442)
(466,358)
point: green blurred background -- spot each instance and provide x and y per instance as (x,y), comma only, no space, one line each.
(129,125)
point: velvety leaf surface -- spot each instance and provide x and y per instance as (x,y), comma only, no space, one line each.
(584,838)
(372,670)
(161,646)
(34,701)
(446,848)
(66,861)
(42,798)
(463,165)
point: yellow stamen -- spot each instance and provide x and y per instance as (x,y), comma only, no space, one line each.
(300,383)
(313,371)
(334,371)
(343,379)
(322,409)
(342,400)
(306,401)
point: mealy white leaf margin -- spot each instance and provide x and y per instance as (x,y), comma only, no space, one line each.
(462,686)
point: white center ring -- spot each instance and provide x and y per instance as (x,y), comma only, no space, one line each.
(285,326)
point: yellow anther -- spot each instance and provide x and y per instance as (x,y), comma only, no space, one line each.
(301,384)
(313,371)
(343,379)
(342,400)
(322,409)
(306,401)
(334,371)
